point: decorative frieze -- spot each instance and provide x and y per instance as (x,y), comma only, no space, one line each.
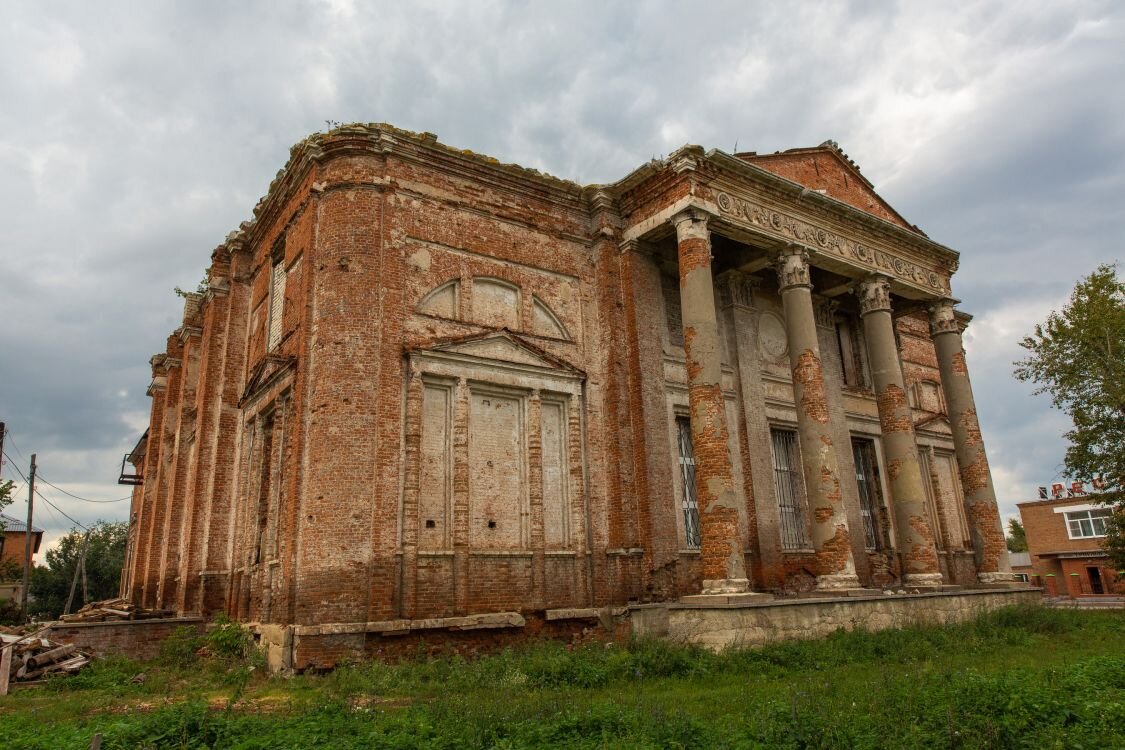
(788,227)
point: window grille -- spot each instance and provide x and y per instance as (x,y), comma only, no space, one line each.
(687,477)
(790,495)
(870,495)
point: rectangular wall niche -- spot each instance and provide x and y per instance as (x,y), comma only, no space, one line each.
(435,480)
(556,507)
(497,469)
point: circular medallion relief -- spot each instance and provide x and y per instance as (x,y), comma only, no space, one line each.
(772,342)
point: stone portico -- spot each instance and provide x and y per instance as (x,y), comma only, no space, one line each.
(426,390)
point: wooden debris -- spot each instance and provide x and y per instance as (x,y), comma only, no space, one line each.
(27,658)
(115,609)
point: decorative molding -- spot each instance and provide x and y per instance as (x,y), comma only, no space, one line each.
(793,268)
(943,318)
(874,294)
(824,310)
(786,227)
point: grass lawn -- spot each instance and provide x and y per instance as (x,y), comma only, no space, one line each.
(1019,678)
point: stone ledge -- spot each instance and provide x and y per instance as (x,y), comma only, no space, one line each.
(399,627)
(686,602)
(60,624)
(584,613)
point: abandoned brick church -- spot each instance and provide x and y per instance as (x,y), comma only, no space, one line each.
(423,385)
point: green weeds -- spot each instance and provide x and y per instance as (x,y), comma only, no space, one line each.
(1019,678)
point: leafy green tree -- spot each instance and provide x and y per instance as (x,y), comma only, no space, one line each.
(50,584)
(6,486)
(1078,356)
(1017,537)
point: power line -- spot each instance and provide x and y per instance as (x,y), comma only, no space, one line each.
(77,497)
(15,466)
(60,510)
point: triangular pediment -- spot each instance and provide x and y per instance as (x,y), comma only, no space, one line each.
(935,423)
(503,346)
(265,373)
(828,170)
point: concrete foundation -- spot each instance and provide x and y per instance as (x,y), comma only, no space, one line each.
(719,626)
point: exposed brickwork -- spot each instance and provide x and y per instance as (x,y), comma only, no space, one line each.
(425,384)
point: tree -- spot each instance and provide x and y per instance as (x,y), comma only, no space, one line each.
(1078,356)
(6,487)
(1017,537)
(50,584)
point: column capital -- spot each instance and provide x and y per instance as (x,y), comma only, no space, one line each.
(793,268)
(691,223)
(736,289)
(874,294)
(943,318)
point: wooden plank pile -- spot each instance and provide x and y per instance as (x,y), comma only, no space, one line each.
(115,609)
(29,657)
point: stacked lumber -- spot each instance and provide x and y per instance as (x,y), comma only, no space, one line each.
(115,609)
(28,657)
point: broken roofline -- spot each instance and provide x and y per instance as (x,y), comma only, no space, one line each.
(373,138)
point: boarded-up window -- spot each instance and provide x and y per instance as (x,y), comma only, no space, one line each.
(848,341)
(277,299)
(947,510)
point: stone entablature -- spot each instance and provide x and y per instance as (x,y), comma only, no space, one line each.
(423,384)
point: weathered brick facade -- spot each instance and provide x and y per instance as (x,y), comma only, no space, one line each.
(426,385)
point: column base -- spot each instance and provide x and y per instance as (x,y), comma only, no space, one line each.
(998,577)
(923,582)
(748,597)
(837,583)
(723,586)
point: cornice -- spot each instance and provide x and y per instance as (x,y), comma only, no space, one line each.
(836,209)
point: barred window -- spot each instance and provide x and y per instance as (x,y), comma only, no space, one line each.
(870,493)
(687,476)
(790,492)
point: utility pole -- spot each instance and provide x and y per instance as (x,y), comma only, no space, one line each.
(80,567)
(1,447)
(27,540)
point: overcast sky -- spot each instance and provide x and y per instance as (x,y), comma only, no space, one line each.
(134,137)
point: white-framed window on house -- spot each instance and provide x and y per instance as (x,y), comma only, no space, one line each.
(1086,524)
(790,491)
(277,294)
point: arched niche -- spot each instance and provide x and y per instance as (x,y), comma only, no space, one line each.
(442,301)
(544,322)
